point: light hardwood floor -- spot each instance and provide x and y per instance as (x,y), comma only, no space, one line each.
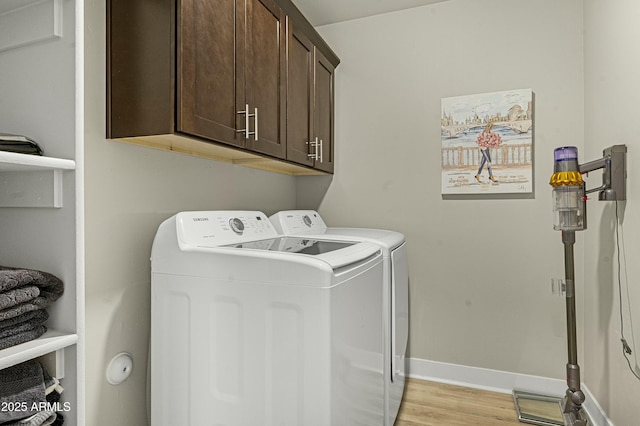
(437,404)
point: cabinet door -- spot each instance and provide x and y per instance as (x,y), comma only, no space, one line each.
(299,97)
(324,110)
(265,74)
(210,39)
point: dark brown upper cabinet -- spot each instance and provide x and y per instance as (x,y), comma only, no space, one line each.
(309,103)
(231,73)
(199,75)
(324,112)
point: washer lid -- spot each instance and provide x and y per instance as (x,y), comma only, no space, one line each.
(306,251)
(311,246)
(250,234)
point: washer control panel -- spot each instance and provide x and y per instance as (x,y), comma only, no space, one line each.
(298,222)
(219,228)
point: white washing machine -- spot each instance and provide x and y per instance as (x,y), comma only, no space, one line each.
(252,328)
(395,288)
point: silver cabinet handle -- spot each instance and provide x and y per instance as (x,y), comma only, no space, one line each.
(246,121)
(314,144)
(321,150)
(255,122)
(246,131)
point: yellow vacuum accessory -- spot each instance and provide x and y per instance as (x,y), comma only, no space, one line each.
(571,178)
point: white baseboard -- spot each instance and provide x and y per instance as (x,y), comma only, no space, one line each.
(500,381)
(594,410)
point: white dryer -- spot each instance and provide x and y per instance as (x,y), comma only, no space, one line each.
(395,289)
(252,328)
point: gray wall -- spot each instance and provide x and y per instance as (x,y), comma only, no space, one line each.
(129,191)
(611,96)
(480,269)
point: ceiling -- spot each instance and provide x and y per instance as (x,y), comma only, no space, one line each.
(323,12)
(318,12)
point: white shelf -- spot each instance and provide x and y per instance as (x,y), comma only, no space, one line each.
(14,162)
(32,180)
(50,341)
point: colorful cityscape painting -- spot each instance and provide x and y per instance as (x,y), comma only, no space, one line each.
(487,143)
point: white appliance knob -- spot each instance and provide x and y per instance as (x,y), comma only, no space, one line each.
(236,225)
(307,220)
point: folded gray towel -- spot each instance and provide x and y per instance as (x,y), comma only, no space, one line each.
(18,329)
(39,317)
(42,418)
(15,297)
(11,278)
(22,337)
(20,386)
(16,285)
(13,333)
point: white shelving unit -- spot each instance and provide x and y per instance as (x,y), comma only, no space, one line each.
(41,197)
(24,179)
(31,180)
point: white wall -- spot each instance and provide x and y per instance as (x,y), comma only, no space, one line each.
(129,191)
(480,269)
(611,95)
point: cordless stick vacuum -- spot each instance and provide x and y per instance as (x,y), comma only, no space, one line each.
(569,205)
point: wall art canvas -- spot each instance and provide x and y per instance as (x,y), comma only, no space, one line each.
(487,143)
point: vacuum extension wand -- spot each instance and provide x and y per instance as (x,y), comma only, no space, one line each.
(569,197)
(572,410)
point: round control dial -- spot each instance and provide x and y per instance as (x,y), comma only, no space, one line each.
(307,220)
(236,225)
